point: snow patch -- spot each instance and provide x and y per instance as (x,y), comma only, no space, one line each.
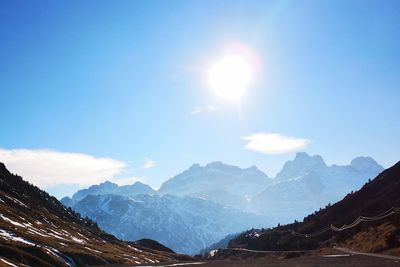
(36,232)
(11,221)
(213,252)
(94,250)
(77,240)
(9,236)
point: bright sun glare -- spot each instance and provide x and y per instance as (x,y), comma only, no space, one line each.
(230,77)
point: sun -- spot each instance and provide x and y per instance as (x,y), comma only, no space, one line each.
(229,77)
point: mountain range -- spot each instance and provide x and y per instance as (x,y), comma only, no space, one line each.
(109,188)
(206,203)
(222,183)
(306,184)
(184,224)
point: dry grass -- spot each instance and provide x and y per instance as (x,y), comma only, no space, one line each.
(373,239)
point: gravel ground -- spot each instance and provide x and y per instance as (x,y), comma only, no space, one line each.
(309,261)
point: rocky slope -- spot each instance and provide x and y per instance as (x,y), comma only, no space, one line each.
(37,230)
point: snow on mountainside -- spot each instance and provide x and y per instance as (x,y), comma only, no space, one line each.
(307,184)
(229,185)
(185,224)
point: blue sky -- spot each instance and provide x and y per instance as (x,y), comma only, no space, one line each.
(121,84)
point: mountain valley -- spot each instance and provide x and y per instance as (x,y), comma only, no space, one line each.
(204,204)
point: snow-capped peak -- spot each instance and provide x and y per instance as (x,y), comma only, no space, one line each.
(300,165)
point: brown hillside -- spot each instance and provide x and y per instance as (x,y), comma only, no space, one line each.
(37,230)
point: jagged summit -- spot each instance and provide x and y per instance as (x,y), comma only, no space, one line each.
(306,184)
(218,165)
(302,155)
(112,188)
(300,165)
(303,164)
(216,176)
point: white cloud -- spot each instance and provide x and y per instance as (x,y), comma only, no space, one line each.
(274,143)
(195,111)
(148,163)
(46,168)
(208,108)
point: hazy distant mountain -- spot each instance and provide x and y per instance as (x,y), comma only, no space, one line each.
(378,235)
(307,184)
(185,224)
(303,185)
(366,165)
(225,184)
(110,188)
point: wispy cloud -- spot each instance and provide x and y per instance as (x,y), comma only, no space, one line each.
(274,143)
(208,108)
(148,163)
(46,168)
(195,111)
